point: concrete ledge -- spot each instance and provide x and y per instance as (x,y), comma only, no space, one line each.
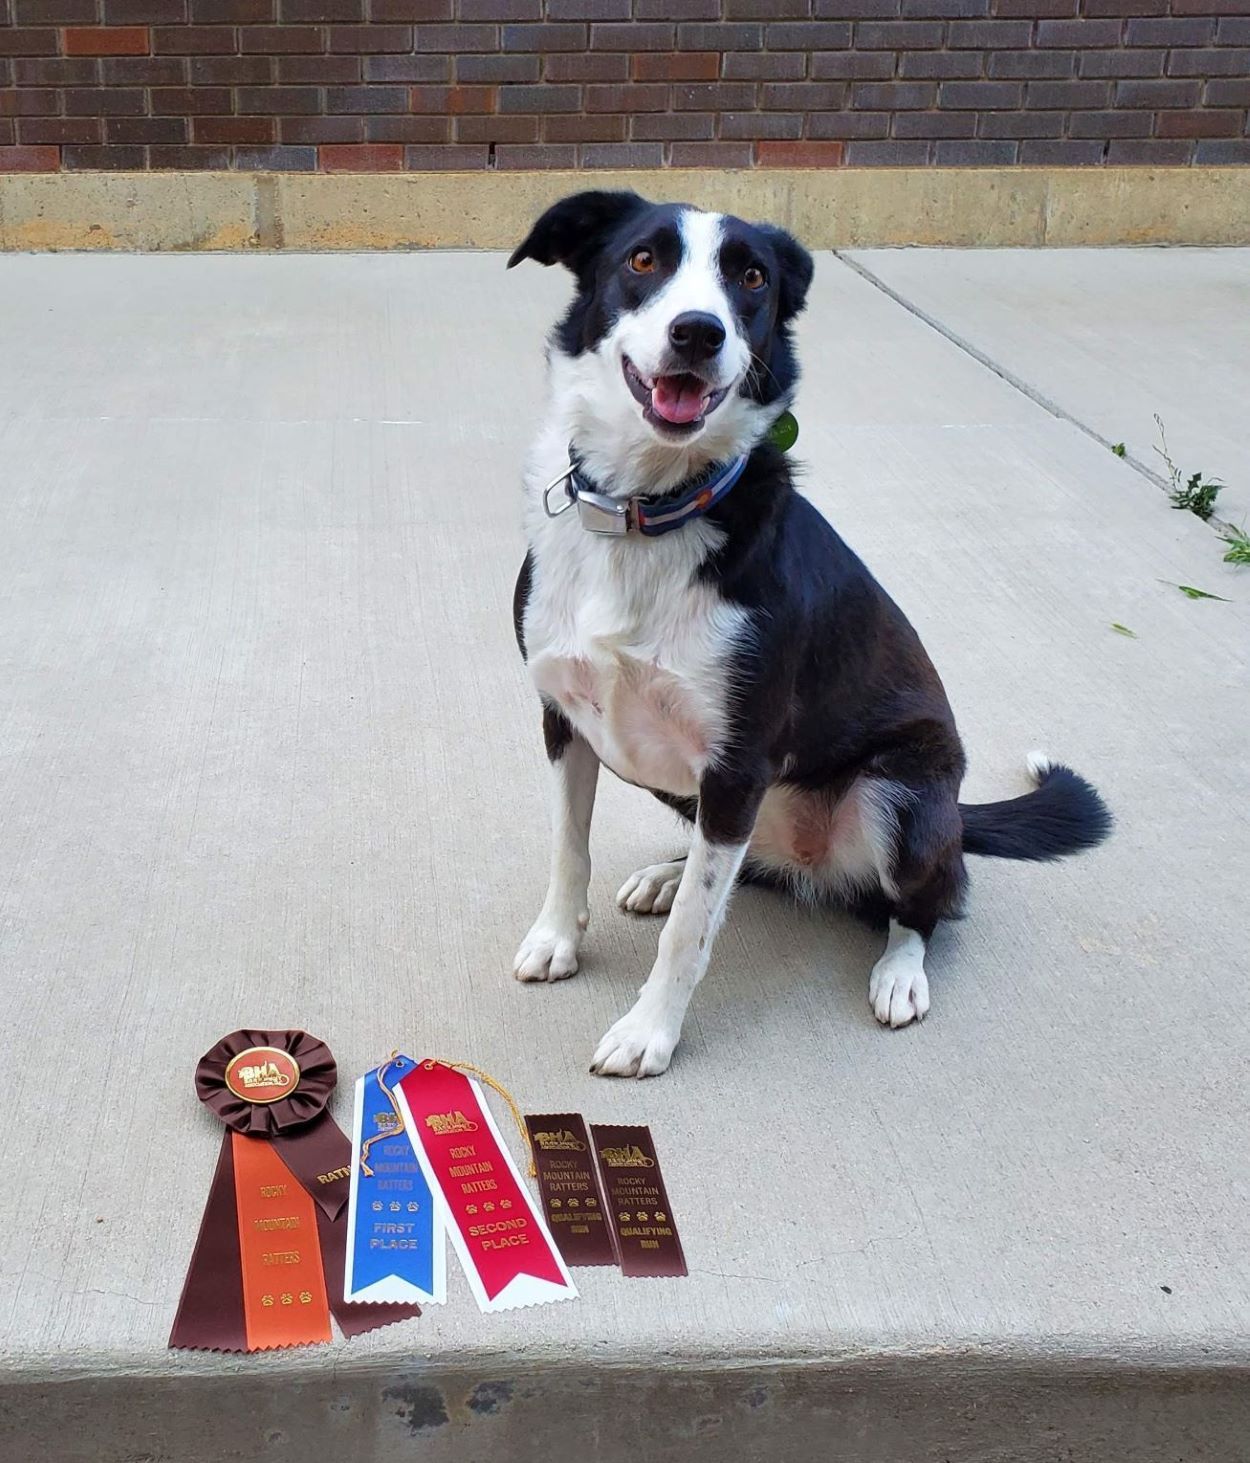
(926,1410)
(829,208)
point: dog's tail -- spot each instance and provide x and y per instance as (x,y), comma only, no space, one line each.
(1063,814)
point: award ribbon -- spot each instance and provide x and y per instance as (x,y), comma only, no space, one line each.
(502,1243)
(395,1247)
(570,1190)
(638,1207)
(267,1268)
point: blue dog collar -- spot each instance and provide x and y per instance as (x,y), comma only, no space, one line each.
(651,517)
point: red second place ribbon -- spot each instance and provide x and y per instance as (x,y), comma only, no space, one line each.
(499,1235)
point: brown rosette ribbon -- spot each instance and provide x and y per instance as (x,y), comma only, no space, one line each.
(267,1269)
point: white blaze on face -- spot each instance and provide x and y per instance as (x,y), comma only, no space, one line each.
(695,286)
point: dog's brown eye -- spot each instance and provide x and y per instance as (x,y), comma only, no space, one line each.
(642,261)
(754,278)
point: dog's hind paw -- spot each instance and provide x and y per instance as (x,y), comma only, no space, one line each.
(651,890)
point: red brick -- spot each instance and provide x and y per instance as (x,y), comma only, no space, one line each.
(513,10)
(140,131)
(370,39)
(621,154)
(935,124)
(185,159)
(676,66)
(776,126)
(1061,153)
(234,129)
(636,97)
(29,101)
(280,40)
(25,42)
(1151,151)
(419,68)
(402,10)
(276,159)
(542,99)
(1211,7)
(540,156)
(117,40)
(1200,124)
(452,100)
(279,101)
(711,154)
(636,36)
(103,159)
(52,12)
(230,70)
(54,71)
(59,130)
(713,96)
(113,101)
(316,70)
(846,125)
(577,128)
(232,12)
(8,133)
(499,129)
(799,154)
(766,65)
(373,157)
(674,127)
(407,129)
(321,129)
(1109,124)
(29,159)
(143,70)
(443,159)
(196,40)
(567,66)
(314,11)
(191,101)
(1017,124)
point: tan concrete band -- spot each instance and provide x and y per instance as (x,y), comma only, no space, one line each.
(825,207)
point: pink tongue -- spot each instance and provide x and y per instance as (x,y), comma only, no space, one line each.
(678,398)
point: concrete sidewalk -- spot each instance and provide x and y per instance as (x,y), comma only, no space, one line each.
(268,756)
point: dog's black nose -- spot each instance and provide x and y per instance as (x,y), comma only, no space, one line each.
(696,336)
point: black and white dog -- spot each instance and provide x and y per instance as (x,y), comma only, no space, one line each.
(692,623)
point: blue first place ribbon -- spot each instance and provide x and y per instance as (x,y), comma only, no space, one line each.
(395,1239)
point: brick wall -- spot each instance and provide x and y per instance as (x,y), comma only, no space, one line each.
(371,85)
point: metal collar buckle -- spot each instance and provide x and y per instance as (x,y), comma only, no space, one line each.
(596,512)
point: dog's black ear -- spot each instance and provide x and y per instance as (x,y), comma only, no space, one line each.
(572,230)
(796,271)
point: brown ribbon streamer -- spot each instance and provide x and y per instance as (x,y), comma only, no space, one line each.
(318,1154)
(638,1209)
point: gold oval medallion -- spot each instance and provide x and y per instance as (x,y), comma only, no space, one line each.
(262,1074)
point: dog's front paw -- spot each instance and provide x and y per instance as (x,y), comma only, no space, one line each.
(549,951)
(638,1045)
(651,890)
(898,991)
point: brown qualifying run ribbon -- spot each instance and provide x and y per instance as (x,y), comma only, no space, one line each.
(267,1268)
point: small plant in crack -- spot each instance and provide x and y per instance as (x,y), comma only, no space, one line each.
(1194,494)
(1238,541)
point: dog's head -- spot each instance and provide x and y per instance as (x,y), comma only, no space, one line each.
(679,333)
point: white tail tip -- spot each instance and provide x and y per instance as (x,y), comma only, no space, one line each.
(1039,764)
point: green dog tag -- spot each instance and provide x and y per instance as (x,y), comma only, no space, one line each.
(784,432)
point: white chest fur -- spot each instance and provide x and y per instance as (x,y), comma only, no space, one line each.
(634,651)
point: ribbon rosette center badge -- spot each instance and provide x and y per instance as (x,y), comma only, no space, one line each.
(262,1074)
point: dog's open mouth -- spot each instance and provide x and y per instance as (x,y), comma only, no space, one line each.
(676,403)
